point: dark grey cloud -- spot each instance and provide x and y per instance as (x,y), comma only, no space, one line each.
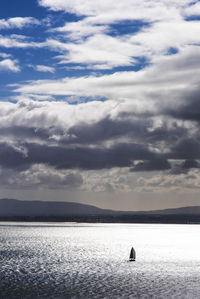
(188,109)
(83,148)
(185,148)
(177,170)
(120,155)
(26,132)
(137,128)
(12,157)
(184,167)
(152,165)
(106,129)
(165,133)
(190,163)
(117,141)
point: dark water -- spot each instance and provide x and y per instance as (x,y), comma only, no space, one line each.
(91,261)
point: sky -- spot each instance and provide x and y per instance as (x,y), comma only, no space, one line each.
(100,102)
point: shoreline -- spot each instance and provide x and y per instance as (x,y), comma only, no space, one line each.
(147,219)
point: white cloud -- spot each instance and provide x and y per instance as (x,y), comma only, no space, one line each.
(44,113)
(181,183)
(5,55)
(98,52)
(87,42)
(9,65)
(193,10)
(93,45)
(17,41)
(167,77)
(83,28)
(45,68)
(34,97)
(17,22)
(105,11)
(162,36)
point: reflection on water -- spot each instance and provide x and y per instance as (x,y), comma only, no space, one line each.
(91,261)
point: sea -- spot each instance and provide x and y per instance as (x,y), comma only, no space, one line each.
(79,260)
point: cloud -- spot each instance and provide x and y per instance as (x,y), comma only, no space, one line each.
(5,55)
(49,134)
(184,182)
(92,40)
(193,10)
(169,77)
(109,180)
(80,29)
(120,155)
(40,129)
(107,129)
(186,148)
(134,103)
(34,97)
(9,65)
(152,165)
(42,68)
(40,176)
(12,157)
(45,68)
(17,22)
(97,51)
(188,164)
(105,146)
(17,41)
(188,108)
(95,44)
(160,37)
(106,12)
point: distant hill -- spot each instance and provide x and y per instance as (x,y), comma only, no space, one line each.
(194,210)
(14,207)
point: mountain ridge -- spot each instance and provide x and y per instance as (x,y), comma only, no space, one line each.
(15,207)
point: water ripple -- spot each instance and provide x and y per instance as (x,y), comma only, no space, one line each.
(91,261)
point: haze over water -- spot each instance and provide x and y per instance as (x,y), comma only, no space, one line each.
(69,260)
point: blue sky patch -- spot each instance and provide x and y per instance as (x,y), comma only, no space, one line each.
(127,27)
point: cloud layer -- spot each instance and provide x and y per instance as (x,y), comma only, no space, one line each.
(108,97)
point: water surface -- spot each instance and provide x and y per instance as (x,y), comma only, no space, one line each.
(69,260)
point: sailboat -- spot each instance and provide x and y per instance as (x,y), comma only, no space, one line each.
(132,255)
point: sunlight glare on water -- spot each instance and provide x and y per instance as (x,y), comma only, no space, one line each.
(69,260)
